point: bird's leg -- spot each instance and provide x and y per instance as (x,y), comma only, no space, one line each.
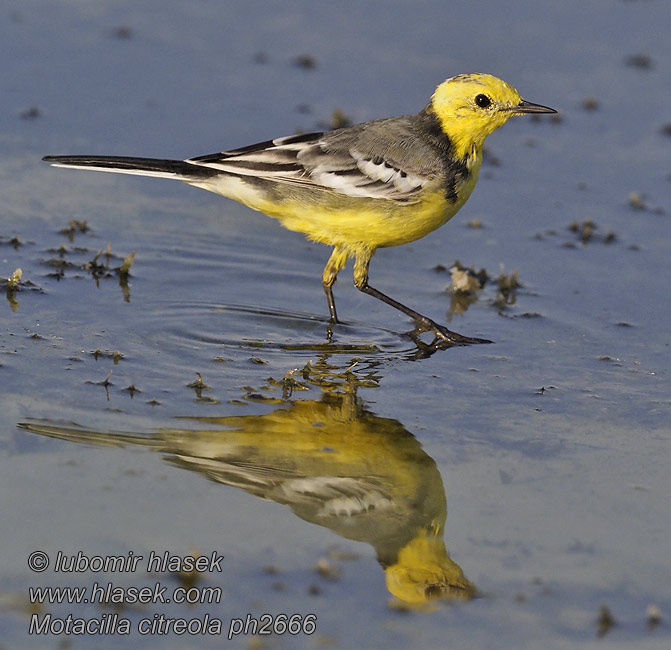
(422,323)
(333,267)
(331,301)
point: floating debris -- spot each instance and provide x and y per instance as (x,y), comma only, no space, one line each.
(590,103)
(466,283)
(467,280)
(339,119)
(289,384)
(189,579)
(98,267)
(124,269)
(13,281)
(15,242)
(12,284)
(123,32)
(587,232)
(529,314)
(131,390)
(207,400)
(605,622)
(116,356)
(106,383)
(314,590)
(507,288)
(260,57)
(640,61)
(509,282)
(327,570)
(305,61)
(615,361)
(255,396)
(307,369)
(463,281)
(74,227)
(94,267)
(584,230)
(638,202)
(354,364)
(31,113)
(198,385)
(653,615)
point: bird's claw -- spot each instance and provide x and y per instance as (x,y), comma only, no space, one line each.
(447,336)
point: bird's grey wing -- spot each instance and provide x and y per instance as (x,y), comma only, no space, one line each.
(382,159)
(323,495)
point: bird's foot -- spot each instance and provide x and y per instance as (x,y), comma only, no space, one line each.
(444,335)
(329,329)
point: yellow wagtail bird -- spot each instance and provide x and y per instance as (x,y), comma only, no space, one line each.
(381,183)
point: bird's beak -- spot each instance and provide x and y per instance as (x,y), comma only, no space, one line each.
(527,107)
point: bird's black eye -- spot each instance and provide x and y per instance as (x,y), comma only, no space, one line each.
(482,101)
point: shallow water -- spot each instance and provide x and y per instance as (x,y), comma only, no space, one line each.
(520,486)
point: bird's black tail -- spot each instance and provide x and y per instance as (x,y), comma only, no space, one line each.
(177,169)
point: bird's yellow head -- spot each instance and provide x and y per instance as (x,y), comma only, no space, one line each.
(471,106)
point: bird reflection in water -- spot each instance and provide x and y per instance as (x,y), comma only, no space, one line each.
(335,464)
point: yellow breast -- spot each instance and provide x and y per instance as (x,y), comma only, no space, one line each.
(353,223)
